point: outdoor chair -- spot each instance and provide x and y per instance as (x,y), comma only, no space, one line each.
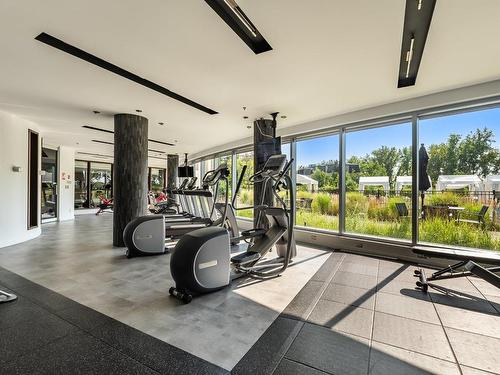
(402,210)
(473,217)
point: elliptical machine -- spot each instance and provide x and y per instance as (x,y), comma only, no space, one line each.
(201,261)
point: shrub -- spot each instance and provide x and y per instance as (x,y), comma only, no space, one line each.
(356,203)
(324,204)
(446,198)
(246,197)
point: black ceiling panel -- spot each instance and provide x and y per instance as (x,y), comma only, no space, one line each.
(81,54)
(112,132)
(418,16)
(237,20)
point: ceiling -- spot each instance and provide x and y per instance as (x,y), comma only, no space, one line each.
(329,57)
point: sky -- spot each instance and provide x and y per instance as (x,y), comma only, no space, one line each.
(432,131)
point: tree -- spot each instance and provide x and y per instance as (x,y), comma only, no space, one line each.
(389,159)
(405,163)
(477,155)
(323,178)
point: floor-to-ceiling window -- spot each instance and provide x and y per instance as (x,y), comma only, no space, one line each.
(49,183)
(100,182)
(317,194)
(228,160)
(379,181)
(461,206)
(244,197)
(157,179)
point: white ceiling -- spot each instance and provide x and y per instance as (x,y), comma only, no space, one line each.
(329,57)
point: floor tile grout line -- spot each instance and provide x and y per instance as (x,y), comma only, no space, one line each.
(415,351)
(479,369)
(308,365)
(313,304)
(373,323)
(447,338)
(483,295)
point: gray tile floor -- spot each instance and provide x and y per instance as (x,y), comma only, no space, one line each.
(76,259)
(368,318)
(356,315)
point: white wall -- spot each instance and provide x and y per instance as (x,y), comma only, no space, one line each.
(14,185)
(66,183)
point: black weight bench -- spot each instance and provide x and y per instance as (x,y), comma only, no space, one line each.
(467,264)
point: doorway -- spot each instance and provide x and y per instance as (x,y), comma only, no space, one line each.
(49,184)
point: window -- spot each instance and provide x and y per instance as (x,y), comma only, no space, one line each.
(461,205)
(219,160)
(81,184)
(197,172)
(317,196)
(100,182)
(379,181)
(49,183)
(245,194)
(157,178)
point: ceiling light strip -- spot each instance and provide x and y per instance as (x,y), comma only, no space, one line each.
(112,132)
(81,54)
(417,21)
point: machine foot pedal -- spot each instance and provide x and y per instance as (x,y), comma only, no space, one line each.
(180,295)
(245,258)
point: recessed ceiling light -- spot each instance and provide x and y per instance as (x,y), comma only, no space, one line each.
(283,116)
(249,127)
(138,110)
(176,141)
(161,123)
(96,112)
(245,117)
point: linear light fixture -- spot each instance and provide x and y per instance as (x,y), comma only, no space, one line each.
(236,19)
(92,59)
(112,132)
(96,155)
(418,16)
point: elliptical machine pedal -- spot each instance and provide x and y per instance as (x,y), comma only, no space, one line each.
(181,296)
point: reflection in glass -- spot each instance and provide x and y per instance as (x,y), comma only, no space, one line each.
(100,183)
(245,194)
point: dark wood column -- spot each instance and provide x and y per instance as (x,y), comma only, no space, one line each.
(130,180)
(172,165)
(265,144)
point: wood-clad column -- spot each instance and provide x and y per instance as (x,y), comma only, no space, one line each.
(130,169)
(172,165)
(264,145)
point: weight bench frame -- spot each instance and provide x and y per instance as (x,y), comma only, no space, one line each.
(8,297)
(467,265)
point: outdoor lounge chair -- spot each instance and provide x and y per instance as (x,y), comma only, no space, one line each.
(402,209)
(478,217)
(467,265)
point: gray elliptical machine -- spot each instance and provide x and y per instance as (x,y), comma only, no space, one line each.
(201,261)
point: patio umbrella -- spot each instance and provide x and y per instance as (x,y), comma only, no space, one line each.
(423,178)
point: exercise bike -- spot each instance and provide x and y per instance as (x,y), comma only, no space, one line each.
(201,261)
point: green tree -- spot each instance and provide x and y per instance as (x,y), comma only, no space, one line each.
(388,158)
(477,154)
(405,162)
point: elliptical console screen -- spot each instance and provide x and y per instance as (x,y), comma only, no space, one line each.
(275,163)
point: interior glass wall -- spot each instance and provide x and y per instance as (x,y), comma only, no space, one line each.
(81,184)
(317,183)
(379,181)
(245,194)
(461,205)
(157,179)
(49,183)
(100,182)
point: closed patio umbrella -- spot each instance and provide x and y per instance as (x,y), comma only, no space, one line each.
(424,182)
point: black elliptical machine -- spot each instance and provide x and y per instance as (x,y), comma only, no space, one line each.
(201,261)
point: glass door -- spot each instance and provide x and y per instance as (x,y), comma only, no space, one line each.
(49,184)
